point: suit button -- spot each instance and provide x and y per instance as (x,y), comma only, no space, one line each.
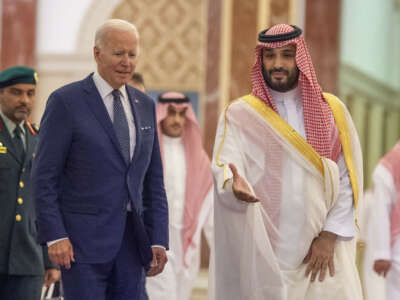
(20,201)
(21,184)
(18,218)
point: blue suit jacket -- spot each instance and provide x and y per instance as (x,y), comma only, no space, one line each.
(82,184)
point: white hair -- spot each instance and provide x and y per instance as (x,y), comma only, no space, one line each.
(110,25)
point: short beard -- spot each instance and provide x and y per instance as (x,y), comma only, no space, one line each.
(290,84)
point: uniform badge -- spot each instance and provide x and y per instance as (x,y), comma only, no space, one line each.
(36,77)
(3,149)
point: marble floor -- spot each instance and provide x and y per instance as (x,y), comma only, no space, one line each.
(201,286)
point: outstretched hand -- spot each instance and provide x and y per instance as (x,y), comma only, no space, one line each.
(240,188)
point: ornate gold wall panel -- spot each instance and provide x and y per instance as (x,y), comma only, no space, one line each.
(172,41)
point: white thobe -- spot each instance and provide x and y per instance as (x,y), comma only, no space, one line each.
(384,199)
(176,281)
(340,219)
(266,254)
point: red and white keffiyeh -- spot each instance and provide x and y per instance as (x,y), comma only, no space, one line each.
(321,131)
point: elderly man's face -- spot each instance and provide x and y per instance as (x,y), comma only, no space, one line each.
(174,123)
(279,68)
(116,58)
(16,101)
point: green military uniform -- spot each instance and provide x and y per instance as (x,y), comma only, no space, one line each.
(21,256)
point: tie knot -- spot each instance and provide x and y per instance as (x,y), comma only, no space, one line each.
(116,94)
(18,131)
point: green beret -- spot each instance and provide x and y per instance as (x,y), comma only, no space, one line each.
(16,75)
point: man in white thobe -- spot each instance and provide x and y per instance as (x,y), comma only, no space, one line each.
(188,183)
(288,171)
(384,229)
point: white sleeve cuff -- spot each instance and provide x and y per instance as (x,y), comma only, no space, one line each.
(347,232)
(55,241)
(158,246)
(381,255)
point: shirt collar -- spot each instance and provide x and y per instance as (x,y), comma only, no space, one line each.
(294,95)
(171,140)
(105,88)
(11,125)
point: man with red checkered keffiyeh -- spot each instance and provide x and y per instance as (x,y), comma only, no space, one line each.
(383,238)
(288,172)
(189,187)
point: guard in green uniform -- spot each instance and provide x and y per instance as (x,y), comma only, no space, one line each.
(24,264)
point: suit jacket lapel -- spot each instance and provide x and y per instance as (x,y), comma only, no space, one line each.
(98,108)
(8,141)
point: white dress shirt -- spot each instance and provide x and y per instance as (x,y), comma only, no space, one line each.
(105,91)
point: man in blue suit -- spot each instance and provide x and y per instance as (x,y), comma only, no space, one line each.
(98,180)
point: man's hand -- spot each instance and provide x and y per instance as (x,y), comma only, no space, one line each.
(158,263)
(382,266)
(320,256)
(240,188)
(51,276)
(61,253)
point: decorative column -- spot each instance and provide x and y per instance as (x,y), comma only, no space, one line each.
(232,34)
(212,77)
(322,36)
(375,139)
(359,114)
(18,32)
(392,128)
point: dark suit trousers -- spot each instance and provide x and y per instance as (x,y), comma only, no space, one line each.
(20,287)
(120,279)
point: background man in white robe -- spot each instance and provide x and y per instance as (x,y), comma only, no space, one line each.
(279,223)
(384,232)
(188,183)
